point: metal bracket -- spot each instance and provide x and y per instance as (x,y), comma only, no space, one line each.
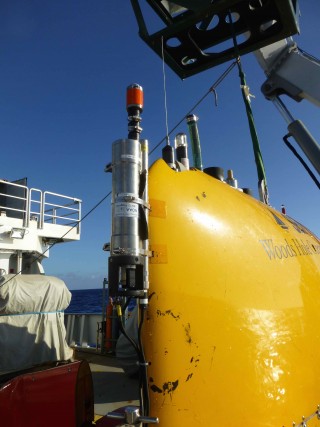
(131,417)
(198,35)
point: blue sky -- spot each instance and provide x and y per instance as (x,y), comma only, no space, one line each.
(65,66)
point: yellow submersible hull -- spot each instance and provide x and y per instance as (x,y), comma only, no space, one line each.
(233,326)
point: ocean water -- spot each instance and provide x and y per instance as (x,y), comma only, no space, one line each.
(86,301)
(91,301)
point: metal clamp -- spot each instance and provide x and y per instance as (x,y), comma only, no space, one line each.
(131,198)
(131,417)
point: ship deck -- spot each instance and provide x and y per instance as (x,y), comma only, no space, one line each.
(112,388)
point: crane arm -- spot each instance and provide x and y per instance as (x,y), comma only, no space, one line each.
(292,72)
(289,71)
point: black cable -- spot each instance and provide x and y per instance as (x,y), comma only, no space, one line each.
(125,305)
(140,356)
(132,342)
(212,89)
(143,366)
(138,347)
(302,161)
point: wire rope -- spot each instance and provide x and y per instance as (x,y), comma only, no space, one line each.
(64,235)
(165,93)
(212,89)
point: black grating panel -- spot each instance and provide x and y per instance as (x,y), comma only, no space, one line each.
(198,39)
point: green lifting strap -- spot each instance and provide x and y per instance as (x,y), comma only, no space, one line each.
(263,189)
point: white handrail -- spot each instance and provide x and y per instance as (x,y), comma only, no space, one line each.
(69,208)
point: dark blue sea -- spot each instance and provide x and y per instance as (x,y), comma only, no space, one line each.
(90,301)
(86,301)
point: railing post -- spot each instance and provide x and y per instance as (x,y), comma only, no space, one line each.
(54,215)
(79,218)
(26,218)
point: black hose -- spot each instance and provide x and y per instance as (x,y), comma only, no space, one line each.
(143,378)
(294,151)
(143,366)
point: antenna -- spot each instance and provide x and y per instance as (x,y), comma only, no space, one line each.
(167,151)
(165,94)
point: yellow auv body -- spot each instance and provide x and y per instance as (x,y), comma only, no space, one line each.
(233,325)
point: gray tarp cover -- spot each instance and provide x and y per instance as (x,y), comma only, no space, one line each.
(32,327)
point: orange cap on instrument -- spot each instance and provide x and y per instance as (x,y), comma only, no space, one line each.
(135,96)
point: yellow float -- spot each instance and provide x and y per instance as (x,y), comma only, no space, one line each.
(232,328)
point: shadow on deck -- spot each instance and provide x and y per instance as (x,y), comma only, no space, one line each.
(112,388)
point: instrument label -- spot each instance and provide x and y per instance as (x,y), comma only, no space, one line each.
(124,209)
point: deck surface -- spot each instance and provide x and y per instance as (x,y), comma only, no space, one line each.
(112,388)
